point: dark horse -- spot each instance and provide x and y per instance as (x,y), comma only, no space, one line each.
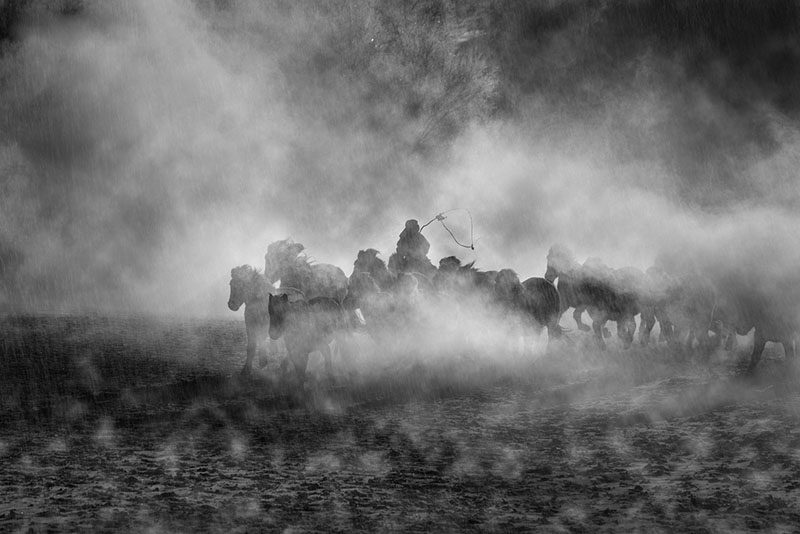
(771,318)
(386,300)
(690,305)
(284,262)
(387,315)
(368,261)
(535,298)
(307,326)
(606,294)
(455,278)
(249,287)
(658,286)
(564,271)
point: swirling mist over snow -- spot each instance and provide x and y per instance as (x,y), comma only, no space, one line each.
(146,147)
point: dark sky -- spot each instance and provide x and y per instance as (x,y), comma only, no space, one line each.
(146,147)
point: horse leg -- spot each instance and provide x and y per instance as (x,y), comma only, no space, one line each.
(252,347)
(626,329)
(665,326)
(730,339)
(688,347)
(344,343)
(788,349)
(327,354)
(300,361)
(648,321)
(535,331)
(553,331)
(264,349)
(674,341)
(704,344)
(759,342)
(598,325)
(578,316)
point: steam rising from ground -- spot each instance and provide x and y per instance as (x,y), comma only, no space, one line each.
(148,147)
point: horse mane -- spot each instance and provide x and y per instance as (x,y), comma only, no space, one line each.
(562,258)
(508,284)
(245,270)
(369,258)
(450,262)
(288,254)
(254,278)
(470,267)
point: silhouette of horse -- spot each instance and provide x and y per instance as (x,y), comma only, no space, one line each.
(307,326)
(368,261)
(535,298)
(456,279)
(564,270)
(283,261)
(653,303)
(387,315)
(422,266)
(690,309)
(623,303)
(249,287)
(770,317)
(604,293)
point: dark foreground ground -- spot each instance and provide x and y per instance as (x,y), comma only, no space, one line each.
(136,425)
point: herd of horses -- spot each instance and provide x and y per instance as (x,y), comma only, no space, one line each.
(314,306)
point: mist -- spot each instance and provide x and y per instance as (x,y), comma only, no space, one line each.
(146,147)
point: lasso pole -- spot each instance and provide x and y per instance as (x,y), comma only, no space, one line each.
(441,217)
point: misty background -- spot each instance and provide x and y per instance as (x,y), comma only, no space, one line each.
(149,146)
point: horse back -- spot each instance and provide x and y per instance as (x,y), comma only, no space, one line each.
(543,296)
(328,281)
(601,294)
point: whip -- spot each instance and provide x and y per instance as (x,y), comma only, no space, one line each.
(441,217)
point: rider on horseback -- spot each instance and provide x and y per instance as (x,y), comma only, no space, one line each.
(412,250)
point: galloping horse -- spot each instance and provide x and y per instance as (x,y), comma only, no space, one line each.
(536,298)
(387,314)
(691,306)
(606,294)
(284,262)
(654,301)
(561,265)
(306,326)
(368,261)
(249,287)
(624,303)
(454,278)
(772,317)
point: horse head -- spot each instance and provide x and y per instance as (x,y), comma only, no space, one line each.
(560,259)
(368,262)
(449,264)
(243,286)
(279,256)
(507,285)
(361,285)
